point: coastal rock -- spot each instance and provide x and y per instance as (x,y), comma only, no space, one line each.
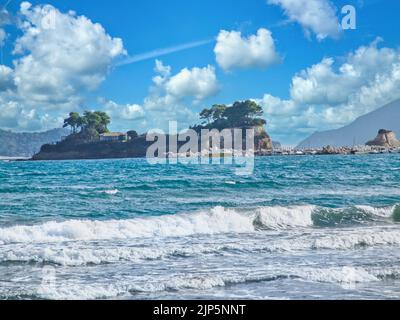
(385,138)
(328,150)
(263,140)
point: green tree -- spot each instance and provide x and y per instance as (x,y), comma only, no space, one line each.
(72,121)
(206,114)
(218,111)
(98,121)
(244,114)
(105,121)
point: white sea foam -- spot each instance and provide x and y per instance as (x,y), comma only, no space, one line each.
(81,254)
(230,182)
(344,276)
(363,238)
(111,192)
(385,212)
(285,217)
(215,221)
(72,255)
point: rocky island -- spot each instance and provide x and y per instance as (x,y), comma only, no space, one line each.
(91,139)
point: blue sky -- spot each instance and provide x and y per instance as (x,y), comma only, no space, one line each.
(290,56)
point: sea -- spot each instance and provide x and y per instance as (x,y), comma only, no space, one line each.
(299,227)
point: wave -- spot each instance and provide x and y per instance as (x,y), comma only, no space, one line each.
(218,220)
(364,239)
(74,254)
(97,254)
(347,277)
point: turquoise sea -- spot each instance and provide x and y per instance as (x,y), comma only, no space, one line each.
(298,228)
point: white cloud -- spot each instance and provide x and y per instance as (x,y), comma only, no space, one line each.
(170,98)
(59,59)
(317,16)
(14,115)
(63,56)
(256,51)
(6,78)
(369,71)
(329,95)
(123,112)
(170,90)
(199,83)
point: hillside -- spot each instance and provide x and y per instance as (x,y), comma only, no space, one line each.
(360,131)
(27,144)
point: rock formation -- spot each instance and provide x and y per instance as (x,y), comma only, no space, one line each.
(263,141)
(385,139)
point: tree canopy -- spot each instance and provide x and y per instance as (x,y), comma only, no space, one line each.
(240,115)
(91,122)
(73,121)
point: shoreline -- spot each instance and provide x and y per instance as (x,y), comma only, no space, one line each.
(17,159)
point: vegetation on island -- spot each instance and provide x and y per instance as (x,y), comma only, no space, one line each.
(89,126)
(242,114)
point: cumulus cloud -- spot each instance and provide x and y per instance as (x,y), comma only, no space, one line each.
(14,115)
(316,16)
(199,83)
(6,78)
(169,90)
(131,112)
(368,67)
(329,94)
(59,59)
(63,55)
(171,98)
(235,51)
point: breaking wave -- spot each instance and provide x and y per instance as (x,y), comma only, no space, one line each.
(343,276)
(74,254)
(218,220)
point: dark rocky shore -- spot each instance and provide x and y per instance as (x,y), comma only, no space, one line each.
(73,150)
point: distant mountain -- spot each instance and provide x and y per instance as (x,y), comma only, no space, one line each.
(360,131)
(27,144)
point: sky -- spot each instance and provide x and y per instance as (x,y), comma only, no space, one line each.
(149,62)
